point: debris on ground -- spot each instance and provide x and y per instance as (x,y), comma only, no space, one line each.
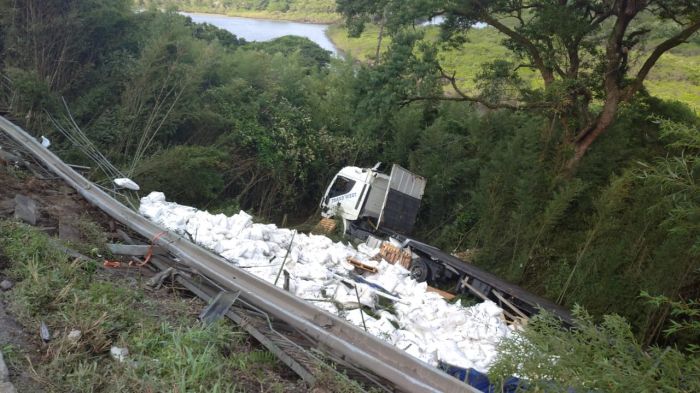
(44,332)
(74,336)
(119,354)
(129,184)
(419,322)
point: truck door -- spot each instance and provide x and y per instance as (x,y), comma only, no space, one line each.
(343,197)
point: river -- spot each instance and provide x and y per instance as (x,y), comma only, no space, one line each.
(265,30)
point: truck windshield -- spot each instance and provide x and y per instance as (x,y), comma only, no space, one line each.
(342,185)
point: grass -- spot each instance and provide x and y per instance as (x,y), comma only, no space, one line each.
(675,77)
(168,351)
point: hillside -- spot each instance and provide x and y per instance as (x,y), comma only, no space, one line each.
(225,125)
(313,11)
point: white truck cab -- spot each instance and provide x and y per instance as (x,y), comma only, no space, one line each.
(364,194)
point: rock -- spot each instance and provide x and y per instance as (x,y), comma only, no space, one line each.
(74,336)
(7,387)
(25,209)
(44,332)
(4,372)
(119,354)
(6,285)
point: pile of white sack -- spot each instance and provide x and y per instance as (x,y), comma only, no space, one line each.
(421,323)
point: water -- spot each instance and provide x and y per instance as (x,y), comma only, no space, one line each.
(266,30)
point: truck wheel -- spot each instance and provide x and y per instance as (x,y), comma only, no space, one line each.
(420,270)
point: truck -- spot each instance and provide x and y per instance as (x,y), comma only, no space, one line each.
(376,207)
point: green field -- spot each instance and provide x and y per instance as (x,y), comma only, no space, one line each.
(676,75)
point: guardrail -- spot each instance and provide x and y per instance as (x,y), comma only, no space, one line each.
(333,334)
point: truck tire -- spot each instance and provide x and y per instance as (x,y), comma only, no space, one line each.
(420,270)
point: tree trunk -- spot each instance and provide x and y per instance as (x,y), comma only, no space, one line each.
(601,124)
(380,37)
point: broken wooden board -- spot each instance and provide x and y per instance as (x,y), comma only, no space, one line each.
(444,294)
(326,225)
(361,265)
(393,255)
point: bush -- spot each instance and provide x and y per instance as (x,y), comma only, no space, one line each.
(592,358)
(188,174)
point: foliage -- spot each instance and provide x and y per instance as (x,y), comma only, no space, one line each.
(185,173)
(588,59)
(310,54)
(592,357)
(686,318)
(223,124)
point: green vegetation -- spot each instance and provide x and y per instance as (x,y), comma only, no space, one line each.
(313,11)
(168,351)
(224,124)
(601,357)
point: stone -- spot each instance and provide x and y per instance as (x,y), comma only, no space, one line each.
(7,387)
(6,285)
(74,336)
(25,209)
(4,372)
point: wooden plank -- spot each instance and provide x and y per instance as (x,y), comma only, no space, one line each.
(326,225)
(361,265)
(509,304)
(444,294)
(484,297)
(393,255)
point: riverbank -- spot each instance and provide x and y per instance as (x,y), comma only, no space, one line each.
(262,30)
(301,17)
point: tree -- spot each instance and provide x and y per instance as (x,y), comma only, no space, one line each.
(583,51)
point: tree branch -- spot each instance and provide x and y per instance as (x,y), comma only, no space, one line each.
(468,98)
(662,48)
(546,72)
